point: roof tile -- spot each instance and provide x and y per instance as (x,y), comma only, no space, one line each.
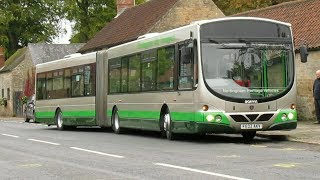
(131,24)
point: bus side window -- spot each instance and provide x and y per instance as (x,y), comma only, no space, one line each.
(148,71)
(114,75)
(134,73)
(186,69)
(48,85)
(166,58)
(41,86)
(77,82)
(67,82)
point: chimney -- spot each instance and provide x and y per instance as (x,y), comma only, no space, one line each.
(124,4)
(2,59)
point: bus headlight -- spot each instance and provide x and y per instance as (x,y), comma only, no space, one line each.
(284,117)
(218,118)
(290,116)
(209,118)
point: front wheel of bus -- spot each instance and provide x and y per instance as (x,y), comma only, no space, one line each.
(115,122)
(168,126)
(248,136)
(59,121)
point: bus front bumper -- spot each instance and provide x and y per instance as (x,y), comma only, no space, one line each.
(202,128)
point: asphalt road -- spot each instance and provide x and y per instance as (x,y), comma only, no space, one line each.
(35,151)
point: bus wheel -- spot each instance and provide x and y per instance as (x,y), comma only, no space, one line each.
(248,136)
(168,126)
(115,122)
(59,121)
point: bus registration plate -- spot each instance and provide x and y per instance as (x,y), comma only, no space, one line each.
(251,126)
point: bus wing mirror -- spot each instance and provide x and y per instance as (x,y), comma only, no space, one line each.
(186,55)
(304,53)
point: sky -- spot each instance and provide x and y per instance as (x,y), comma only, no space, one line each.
(63,37)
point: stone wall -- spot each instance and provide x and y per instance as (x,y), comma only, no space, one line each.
(15,80)
(186,11)
(5,83)
(305,77)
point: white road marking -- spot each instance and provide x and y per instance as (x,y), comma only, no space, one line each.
(200,171)
(47,142)
(292,149)
(259,146)
(96,152)
(12,121)
(10,135)
(229,156)
(287,165)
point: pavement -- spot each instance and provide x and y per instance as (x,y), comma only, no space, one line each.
(306,132)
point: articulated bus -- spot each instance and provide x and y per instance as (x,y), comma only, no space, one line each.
(228,75)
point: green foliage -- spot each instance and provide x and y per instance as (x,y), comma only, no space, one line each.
(237,6)
(17,54)
(3,102)
(140,2)
(28,21)
(24,100)
(89,16)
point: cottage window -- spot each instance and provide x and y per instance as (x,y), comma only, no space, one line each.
(8,93)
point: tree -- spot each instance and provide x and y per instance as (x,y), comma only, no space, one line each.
(140,2)
(89,16)
(28,21)
(237,6)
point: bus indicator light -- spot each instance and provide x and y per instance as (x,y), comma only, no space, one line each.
(293,106)
(205,107)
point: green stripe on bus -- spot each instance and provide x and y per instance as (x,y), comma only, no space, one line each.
(45,114)
(79,113)
(176,116)
(156,42)
(139,114)
(180,116)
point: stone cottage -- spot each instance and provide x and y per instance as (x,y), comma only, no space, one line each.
(304,17)
(17,73)
(152,16)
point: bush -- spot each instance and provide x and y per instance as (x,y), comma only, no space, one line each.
(24,99)
(3,102)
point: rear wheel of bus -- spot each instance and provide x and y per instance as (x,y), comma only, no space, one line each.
(115,121)
(59,120)
(167,126)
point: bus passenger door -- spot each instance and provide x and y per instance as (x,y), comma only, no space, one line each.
(184,101)
(101,89)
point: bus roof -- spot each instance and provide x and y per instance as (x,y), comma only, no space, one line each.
(68,61)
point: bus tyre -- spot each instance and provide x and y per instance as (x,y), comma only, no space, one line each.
(248,136)
(59,121)
(115,122)
(168,126)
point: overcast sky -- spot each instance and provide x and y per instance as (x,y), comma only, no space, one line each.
(64,37)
